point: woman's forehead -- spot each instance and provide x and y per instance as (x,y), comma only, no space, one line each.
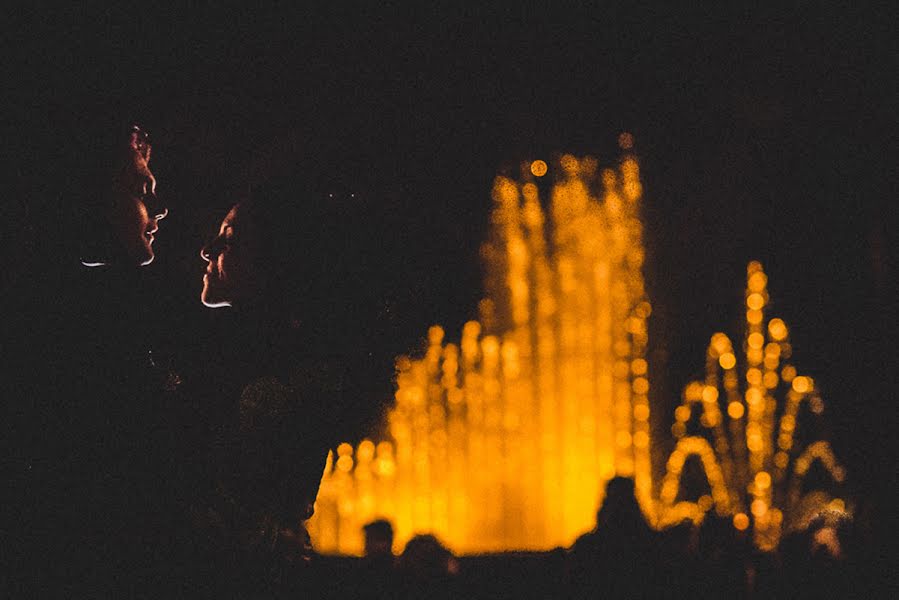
(232,217)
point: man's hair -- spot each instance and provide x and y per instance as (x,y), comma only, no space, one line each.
(97,151)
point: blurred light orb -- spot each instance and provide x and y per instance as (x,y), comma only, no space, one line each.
(641,412)
(569,164)
(801,384)
(741,521)
(755,301)
(727,360)
(762,480)
(539,168)
(777,329)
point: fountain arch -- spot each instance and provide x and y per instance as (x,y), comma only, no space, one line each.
(692,446)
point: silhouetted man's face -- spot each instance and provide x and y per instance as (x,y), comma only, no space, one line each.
(134,211)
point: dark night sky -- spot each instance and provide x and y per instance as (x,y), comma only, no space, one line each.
(762,135)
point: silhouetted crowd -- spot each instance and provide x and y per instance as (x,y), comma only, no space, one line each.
(621,558)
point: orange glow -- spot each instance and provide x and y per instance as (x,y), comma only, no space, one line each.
(638,366)
(626,141)
(569,164)
(757,281)
(756,340)
(720,344)
(744,445)
(754,376)
(435,335)
(641,385)
(693,391)
(641,439)
(781,459)
(491,432)
(754,355)
(345,463)
(641,412)
(754,443)
(735,410)
(538,168)
(801,384)
(755,301)
(777,329)
(727,360)
(366,450)
(504,439)
(816,405)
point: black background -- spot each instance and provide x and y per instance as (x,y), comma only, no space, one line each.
(766,135)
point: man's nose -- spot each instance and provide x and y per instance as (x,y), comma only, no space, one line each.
(205,254)
(155,207)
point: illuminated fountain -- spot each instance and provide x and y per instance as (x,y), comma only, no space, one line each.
(505,440)
(746,432)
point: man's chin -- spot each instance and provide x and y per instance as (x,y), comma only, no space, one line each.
(143,254)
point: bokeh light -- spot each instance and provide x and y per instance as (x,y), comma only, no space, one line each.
(539,168)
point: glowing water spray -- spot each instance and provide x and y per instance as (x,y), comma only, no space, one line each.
(746,431)
(505,440)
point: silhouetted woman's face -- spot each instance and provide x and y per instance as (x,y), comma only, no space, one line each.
(231,277)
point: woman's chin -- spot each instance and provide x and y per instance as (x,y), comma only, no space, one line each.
(211,300)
